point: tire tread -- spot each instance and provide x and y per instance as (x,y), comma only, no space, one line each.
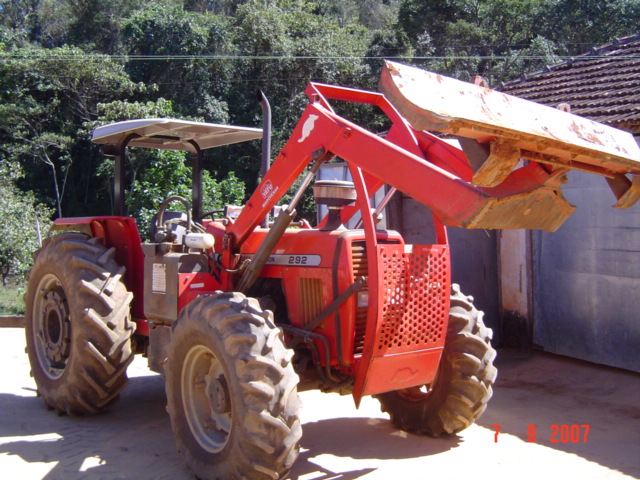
(265,445)
(101,326)
(464,382)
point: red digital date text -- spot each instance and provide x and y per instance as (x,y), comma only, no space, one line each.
(558,433)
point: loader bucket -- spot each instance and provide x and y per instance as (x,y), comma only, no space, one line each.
(497,131)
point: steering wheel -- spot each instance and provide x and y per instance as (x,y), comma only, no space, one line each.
(209,214)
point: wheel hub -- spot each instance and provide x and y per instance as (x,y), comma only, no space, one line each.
(218,394)
(51,327)
(55,328)
(206,399)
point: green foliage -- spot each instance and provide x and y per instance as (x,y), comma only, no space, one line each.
(154,175)
(67,66)
(470,37)
(417,17)
(45,98)
(11,302)
(168,175)
(22,221)
(502,39)
(95,24)
(372,14)
(168,30)
(287,45)
(310,46)
(579,25)
(120,110)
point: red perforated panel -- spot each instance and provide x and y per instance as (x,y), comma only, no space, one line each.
(415,290)
(411,322)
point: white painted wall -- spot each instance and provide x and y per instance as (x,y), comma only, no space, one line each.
(514,271)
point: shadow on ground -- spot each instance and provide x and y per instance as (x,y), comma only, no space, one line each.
(134,439)
(569,405)
(135,436)
(361,439)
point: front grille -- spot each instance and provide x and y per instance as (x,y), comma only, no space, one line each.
(359,259)
(310,299)
(360,269)
(415,296)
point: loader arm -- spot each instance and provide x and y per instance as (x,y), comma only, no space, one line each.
(528,199)
(486,186)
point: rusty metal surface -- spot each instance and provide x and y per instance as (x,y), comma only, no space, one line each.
(544,208)
(503,158)
(631,195)
(171,134)
(436,103)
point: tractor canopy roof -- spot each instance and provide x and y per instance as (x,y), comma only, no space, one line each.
(171,134)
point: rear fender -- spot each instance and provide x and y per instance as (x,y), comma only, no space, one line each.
(122,234)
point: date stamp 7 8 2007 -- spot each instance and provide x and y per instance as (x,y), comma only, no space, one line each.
(557,433)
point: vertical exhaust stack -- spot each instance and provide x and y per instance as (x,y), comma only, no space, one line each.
(266,141)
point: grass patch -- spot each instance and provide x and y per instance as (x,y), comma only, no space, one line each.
(11,302)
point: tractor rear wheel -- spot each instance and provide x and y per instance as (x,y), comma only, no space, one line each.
(232,391)
(463,383)
(77,327)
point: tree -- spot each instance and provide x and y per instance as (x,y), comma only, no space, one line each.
(417,17)
(499,39)
(169,174)
(22,221)
(93,25)
(286,45)
(472,37)
(17,19)
(180,37)
(580,25)
(45,97)
(207,58)
(372,14)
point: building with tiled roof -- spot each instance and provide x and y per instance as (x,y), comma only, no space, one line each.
(602,85)
(585,277)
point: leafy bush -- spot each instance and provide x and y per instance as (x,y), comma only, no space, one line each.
(167,174)
(22,221)
(11,302)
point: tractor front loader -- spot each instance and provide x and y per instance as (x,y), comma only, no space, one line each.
(241,309)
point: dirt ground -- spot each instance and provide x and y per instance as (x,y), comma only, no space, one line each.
(557,417)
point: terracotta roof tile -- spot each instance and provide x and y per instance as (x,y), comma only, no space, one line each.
(603,85)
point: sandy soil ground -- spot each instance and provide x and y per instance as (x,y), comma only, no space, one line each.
(585,420)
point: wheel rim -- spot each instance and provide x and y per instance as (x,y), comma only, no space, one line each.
(205,398)
(52,327)
(419,393)
(415,394)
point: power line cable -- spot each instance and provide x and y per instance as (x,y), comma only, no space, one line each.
(134,58)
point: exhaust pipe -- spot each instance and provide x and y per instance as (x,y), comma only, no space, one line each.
(266,141)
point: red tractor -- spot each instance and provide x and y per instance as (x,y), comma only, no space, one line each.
(239,312)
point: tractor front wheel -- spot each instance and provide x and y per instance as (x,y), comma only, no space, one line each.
(462,387)
(78,328)
(232,391)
